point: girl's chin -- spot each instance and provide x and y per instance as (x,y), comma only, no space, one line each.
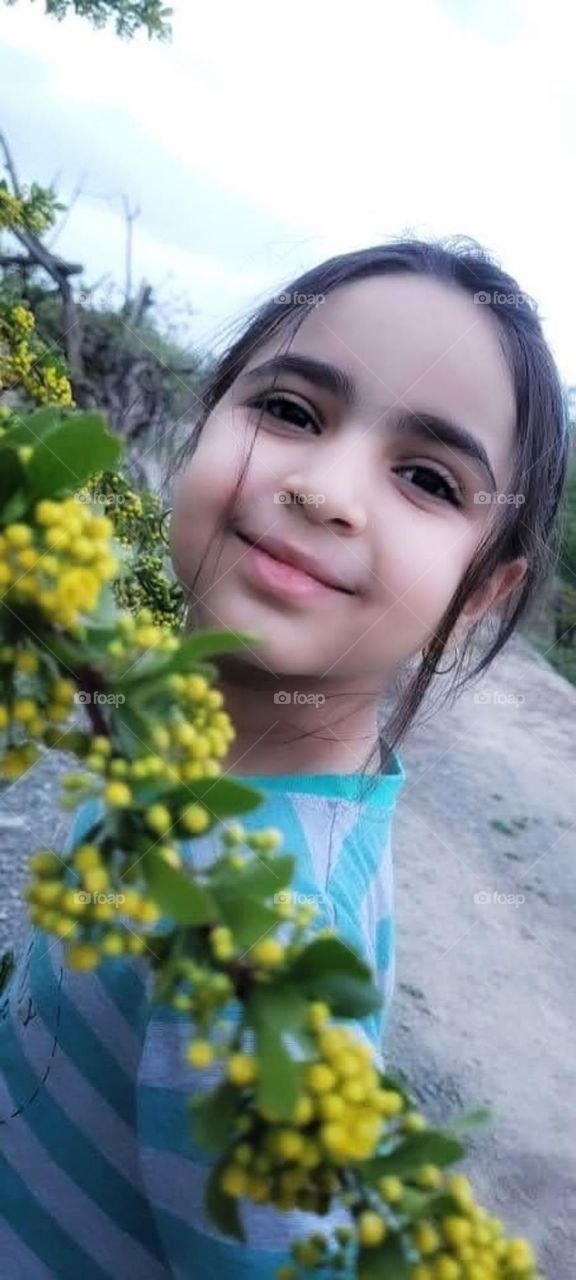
(278,649)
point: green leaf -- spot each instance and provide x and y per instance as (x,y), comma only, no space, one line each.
(65,459)
(221,1208)
(414,1203)
(259,878)
(279,1077)
(132,729)
(278,1005)
(150,670)
(12,481)
(276,1013)
(106,614)
(223,797)
(327,955)
(207,644)
(329,970)
(471,1120)
(348,997)
(190,655)
(177,893)
(213,1116)
(248,918)
(386,1261)
(395,1078)
(432,1147)
(14,508)
(34,427)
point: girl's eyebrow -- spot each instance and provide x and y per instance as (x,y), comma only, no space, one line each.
(327,376)
(428,426)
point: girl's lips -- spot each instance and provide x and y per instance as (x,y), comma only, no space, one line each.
(280,578)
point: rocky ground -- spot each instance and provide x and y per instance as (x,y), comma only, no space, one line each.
(485,853)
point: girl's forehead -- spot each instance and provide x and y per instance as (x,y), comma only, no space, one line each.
(413,341)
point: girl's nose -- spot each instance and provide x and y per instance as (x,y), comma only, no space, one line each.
(330,500)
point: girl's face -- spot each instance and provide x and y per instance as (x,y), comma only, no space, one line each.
(388,429)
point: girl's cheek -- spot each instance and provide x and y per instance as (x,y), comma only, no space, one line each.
(419,570)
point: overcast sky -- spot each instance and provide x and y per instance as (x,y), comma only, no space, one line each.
(264,139)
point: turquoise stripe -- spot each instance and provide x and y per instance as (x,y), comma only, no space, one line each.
(201,1257)
(165,1124)
(127,990)
(73,1152)
(384,942)
(85,816)
(362,854)
(78,1040)
(41,1233)
(384,788)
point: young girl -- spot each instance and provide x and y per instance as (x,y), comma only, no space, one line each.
(373,480)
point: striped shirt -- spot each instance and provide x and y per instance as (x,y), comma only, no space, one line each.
(99,1175)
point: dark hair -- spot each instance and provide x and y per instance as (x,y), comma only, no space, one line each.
(541,437)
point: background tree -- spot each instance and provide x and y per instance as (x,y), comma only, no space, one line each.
(128,16)
(118,356)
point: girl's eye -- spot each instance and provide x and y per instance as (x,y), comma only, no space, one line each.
(285,410)
(451,493)
(279,406)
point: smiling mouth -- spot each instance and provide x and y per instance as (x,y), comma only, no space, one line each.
(287,564)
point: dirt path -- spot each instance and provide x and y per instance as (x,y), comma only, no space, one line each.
(485,997)
(485,1003)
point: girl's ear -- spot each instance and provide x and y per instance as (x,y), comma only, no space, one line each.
(502,582)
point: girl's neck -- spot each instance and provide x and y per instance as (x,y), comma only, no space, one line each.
(297,724)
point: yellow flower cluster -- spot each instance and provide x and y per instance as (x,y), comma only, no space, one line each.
(60,563)
(26,718)
(463,1244)
(19,213)
(11,208)
(341,1116)
(85,901)
(22,320)
(50,387)
(468,1244)
(26,365)
(338,1120)
(199,732)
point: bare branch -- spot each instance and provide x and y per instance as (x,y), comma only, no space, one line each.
(10,166)
(130,217)
(58,229)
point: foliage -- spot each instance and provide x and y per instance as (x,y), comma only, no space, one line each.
(128,16)
(144,381)
(568,546)
(137,523)
(32,210)
(26,362)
